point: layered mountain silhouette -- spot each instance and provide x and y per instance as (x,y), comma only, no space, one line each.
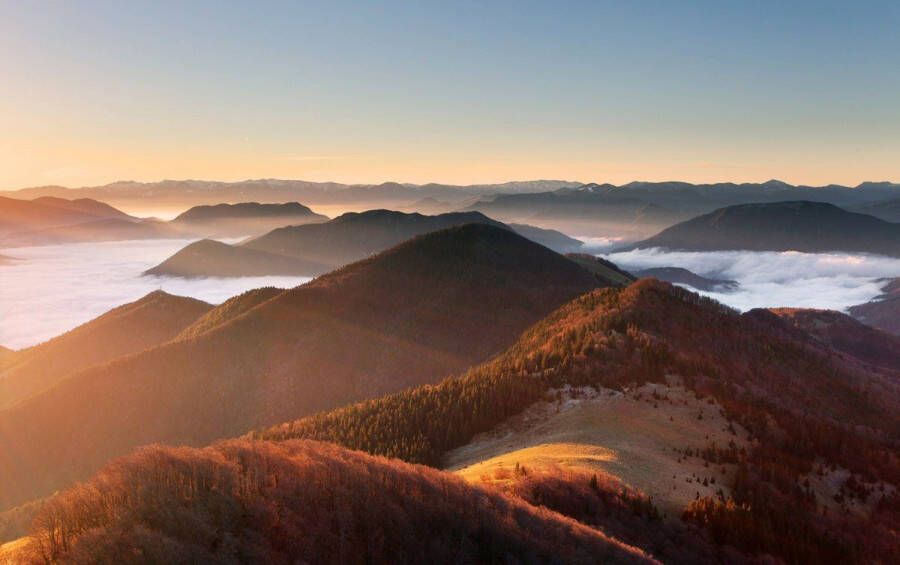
(150,321)
(48,220)
(634,210)
(47,212)
(782,226)
(310,250)
(181,194)
(244,219)
(639,209)
(411,315)
(883,312)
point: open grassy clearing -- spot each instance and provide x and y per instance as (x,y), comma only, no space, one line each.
(637,436)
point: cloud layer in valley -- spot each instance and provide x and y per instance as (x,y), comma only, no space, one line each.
(770,278)
(50,290)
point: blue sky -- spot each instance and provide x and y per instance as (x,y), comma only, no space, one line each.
(451,91)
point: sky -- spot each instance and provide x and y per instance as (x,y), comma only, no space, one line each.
(459,92)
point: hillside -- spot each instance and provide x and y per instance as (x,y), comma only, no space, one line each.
(312,249)
(603,268)
(6,356)
(782,226)
(244,219)
(150,321)
(411,315)
(555,240)
(251,502)
(883,312)
(42,213)
(888,211)
(842,333)
(229,310)
(678,275)
(210,258)
(823,427)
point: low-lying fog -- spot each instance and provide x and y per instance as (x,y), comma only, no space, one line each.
(770,278)
(50,290)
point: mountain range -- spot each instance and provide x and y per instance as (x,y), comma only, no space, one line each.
(312,249)
(812,227)
(407,316)
(639,209)
(635,210)
(634,422)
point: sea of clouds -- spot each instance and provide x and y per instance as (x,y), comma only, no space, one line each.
(50,290)
(770,278)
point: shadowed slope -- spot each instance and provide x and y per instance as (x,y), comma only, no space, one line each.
(842,333)
(229,310)
(154,319)
(312,249)
(782,226)
(354,236)
(418,312)
(209,258)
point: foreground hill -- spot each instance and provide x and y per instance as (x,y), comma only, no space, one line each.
(251,502)
(244,219)
(782,226)
(818,481)
(883,312)
(313,249)
(154,319)
(411,315)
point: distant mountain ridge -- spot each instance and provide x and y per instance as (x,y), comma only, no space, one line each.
(640,209)
(312,249)
(244,219)
(781,226)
